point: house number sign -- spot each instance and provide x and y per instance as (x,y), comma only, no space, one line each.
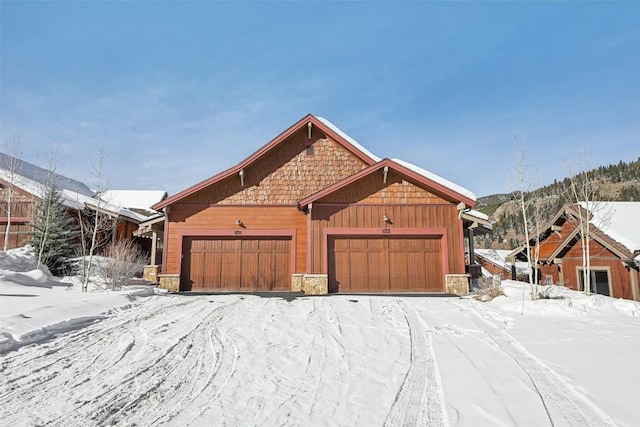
(237,232)
(386,231)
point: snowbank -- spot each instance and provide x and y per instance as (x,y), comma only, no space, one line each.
(34,305)
(560,301)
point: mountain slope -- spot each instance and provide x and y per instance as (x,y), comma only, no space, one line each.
(619,182)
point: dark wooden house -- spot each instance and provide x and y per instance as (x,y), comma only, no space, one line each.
(23,184)
(614,248)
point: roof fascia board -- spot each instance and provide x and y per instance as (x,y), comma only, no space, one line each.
(261,152)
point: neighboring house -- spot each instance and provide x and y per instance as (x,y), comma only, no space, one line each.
(614,248)
(315,203)
(494,262)
(149,231)
(29,184)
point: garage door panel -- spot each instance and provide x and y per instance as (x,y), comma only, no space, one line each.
(196,268)
(377,272)
(398,274)
(241,264)
(385,264)
(358,270)
(211,267)
(249,269)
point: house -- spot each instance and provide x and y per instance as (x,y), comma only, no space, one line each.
(494,263)
(614,248)
(315,210)
(148,234)
(24,184)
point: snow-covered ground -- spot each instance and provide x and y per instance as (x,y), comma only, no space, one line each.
(136,357)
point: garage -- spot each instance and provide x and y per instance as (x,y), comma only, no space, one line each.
(236,264)
(385,264)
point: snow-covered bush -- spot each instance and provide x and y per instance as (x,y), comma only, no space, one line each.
(551,292)
(123,262)
(489,288)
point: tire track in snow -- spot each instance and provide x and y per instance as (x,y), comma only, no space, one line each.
(316,363)
(186,371)
(420,399)
(107,387)
(565,406)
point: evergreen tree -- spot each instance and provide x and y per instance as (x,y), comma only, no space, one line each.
(55,234)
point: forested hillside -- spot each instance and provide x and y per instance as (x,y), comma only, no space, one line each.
(618,182)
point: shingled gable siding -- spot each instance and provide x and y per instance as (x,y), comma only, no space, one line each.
(285,175)
(372,190)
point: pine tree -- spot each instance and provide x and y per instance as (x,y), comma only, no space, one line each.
(55,234)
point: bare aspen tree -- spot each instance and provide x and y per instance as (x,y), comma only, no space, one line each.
(100,223)
(524,188)
(12,167)
(583,191)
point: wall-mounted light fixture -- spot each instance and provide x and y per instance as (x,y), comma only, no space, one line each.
(239,223)
(386,219)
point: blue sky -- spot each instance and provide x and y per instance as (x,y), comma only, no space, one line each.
(177,92)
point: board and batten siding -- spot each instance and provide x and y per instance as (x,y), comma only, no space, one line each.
(196,220)
(438,216)
(619,275)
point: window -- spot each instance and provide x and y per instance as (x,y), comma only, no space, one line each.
(310,149)
(599,278)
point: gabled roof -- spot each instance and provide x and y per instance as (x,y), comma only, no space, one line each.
(134,199)
(75,195)
(615,225)
(324,125)
(428,180)
(42,176)
(498,257)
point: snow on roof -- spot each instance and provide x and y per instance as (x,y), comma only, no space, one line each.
(42,176)
(430,175)
(134,199)
(70,198)
(437,178)
(478,214)
(350,140)
(619,220)
(499,258)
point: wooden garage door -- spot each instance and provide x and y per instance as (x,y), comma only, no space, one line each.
(378,264)
(237,264)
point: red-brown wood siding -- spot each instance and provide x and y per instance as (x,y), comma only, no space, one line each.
(252,263)
(600,256)
(193,220)
(286,174)
(402,216)
(18,234)
(555,239)
(22,213)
